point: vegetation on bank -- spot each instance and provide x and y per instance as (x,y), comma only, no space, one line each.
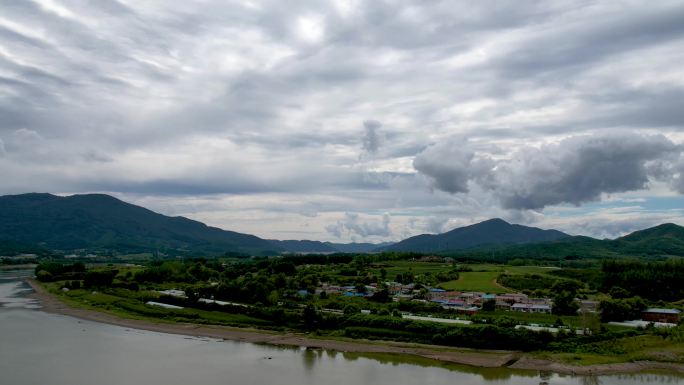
(284,294)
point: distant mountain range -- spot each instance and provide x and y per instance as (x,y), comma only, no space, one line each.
(311,247)
(493,232)
(101,223)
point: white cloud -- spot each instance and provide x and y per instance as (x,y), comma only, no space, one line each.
(354,225)
(261,101)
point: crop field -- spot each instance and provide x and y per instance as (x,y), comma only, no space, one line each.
(482,281)
(483,278)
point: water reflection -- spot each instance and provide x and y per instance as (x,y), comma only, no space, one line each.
(13,289)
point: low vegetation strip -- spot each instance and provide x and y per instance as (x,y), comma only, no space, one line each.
(54,303)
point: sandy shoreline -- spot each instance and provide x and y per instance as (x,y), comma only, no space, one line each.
(486,359)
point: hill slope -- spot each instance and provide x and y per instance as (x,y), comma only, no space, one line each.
(304,246)
(100,222)
(666,239)
(493,232)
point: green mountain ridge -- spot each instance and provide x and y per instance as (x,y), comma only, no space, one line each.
(98,222)
(493,233)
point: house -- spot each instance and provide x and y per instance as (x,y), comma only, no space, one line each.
(513,297)
(661,315)
(587,306)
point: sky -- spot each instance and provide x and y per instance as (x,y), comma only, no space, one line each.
(347,120)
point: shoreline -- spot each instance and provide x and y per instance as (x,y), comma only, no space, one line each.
(51,303)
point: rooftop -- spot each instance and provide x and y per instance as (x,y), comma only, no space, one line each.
(662,311)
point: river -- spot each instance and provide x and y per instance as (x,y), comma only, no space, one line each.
(37,347)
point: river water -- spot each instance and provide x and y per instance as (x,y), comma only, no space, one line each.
(37,347)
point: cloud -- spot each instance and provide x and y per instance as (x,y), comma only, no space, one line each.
(677,181)
(3,152)
(370,142)
(580,169)
(451,164)
(260,103)
(575,170)
(353,224)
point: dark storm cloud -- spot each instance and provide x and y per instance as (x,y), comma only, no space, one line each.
(575,170)
(580,169)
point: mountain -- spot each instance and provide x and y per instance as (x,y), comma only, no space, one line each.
(493,232)
(97,222)
(304,246)
(655,242)
(666,239)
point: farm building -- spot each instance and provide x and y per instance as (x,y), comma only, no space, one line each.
(661,315)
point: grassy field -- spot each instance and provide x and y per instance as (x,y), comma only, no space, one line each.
(629,349)
(130,307)
(483,281)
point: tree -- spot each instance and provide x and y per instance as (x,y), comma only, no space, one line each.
(350,309)
(621,309)
(571,286)
(564,304)
(310,316)
(489,305)
(102,278)
(381,296)
(44,276)
(618,292)
(192,294)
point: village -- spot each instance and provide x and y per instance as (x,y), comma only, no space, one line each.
(472,303)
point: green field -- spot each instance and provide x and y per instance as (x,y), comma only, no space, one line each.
(483,278)
(476,281)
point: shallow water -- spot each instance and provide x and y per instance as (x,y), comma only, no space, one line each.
(37,347)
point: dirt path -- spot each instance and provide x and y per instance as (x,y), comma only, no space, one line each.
(490,359)
(500,286)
